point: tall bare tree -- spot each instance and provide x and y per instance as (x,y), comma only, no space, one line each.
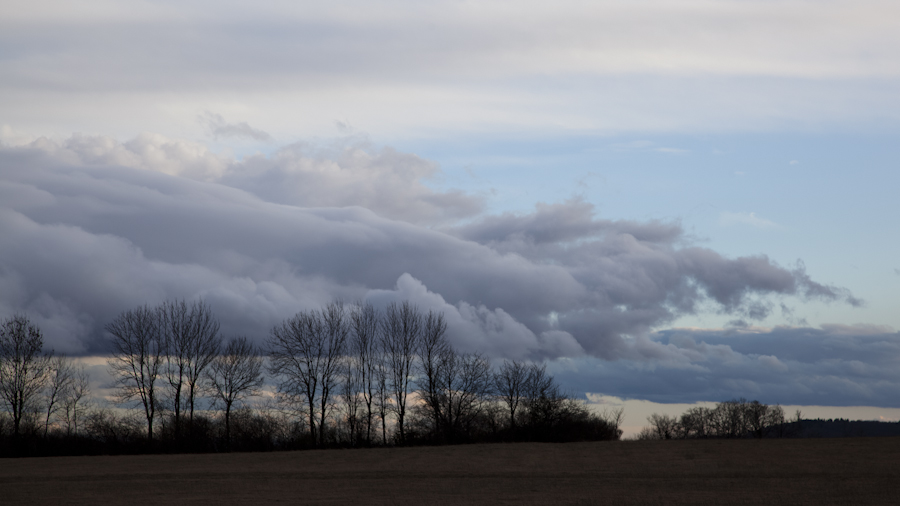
(664,426)
(364,350)
(235,374)
(74,402)
(510,384)
(23,367)
(337,328)
(382,399)
(434,354)
(305,353)
(138,355)
(351,390)
(465,381)
(544,402)
(191,335)
(401,331)
(60,381)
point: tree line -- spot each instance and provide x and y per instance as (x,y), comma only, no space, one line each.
(737,418)
(343,375)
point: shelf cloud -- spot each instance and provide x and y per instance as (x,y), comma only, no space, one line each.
(93,226)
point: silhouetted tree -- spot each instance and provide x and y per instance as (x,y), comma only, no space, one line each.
(23,367)
(665,426)
(190,332)
(137,358)
(434,353)
(401,331)
(364,352)
(351,390)
(543,399)
(233,375)
(382,399)
(305,354)
(695,423)
(510,384)
(73,402)
(465,382)
(337,328)
(737,418)
(60,382)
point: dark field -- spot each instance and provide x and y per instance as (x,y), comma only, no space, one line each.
(808,471)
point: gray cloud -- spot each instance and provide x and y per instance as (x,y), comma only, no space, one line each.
(93,227)
(219,128)
(639,275)
(835,365)
(348,173)
(445,66)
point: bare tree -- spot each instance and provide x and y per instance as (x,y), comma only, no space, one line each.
(74,401)
(737,418)
(434,353)
(401,331)
(234,375)
(191,335)
(351,389)
(614,417)
(174,322)
(337,328)
(775,422)
(664,426)
(382,399)
(466,382)
(543,398)
(60,381)
(137,358)
(756,418)
(728,418)
(305,354)
(364,343)
(510,383)
(696,423)
(23,367)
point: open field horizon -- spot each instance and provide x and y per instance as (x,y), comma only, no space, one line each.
(809,471)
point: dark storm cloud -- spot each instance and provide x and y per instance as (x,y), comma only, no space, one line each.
(93,227)
(639,275)
(834,365)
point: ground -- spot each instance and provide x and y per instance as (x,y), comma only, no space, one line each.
(809,471)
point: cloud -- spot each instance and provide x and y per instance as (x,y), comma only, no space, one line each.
(672,151)
(405,67)
(93,227)
(219,128)
(343,174)
(828,366)
(728,219)
(645,145)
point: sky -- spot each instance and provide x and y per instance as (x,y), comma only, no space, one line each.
(668,201)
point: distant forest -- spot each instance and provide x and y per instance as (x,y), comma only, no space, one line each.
(340,376)
(740,418)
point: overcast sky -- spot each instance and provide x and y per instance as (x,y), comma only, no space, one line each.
(674,201)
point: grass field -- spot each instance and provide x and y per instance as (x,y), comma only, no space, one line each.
(766,472)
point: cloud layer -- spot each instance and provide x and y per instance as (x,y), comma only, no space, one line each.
(445,66)
(836,365)
(93,226)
